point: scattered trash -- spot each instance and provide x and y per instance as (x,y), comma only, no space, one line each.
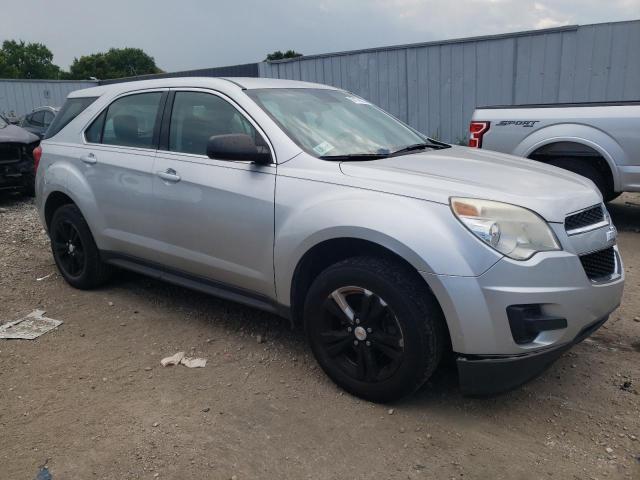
(626,386)
(179,358)
(29,327)
(43,474)
(39,279)
(172,360)
(193,362)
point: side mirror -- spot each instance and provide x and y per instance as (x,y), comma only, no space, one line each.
(237,146)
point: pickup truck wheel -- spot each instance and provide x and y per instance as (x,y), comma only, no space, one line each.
(375,330)
(581,167)
(74,250)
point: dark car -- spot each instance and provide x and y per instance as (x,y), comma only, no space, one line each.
(39,120)
(16,158)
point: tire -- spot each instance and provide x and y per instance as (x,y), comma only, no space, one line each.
(74,250)
(391,347)
(590,171)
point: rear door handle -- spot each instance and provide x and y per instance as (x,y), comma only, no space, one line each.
(169,175)
(90,159)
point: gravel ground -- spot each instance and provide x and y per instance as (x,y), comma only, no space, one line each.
(90,399)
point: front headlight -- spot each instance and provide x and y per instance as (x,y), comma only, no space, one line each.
(513,231)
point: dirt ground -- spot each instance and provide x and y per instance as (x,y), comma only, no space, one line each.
(91,401)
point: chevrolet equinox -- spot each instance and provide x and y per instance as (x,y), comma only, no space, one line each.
(391,249)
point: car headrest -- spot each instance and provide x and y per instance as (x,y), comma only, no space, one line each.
(125,128)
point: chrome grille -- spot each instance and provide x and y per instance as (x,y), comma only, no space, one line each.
(599,264)
(585,218)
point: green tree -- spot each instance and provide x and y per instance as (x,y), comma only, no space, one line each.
(116,63)
(27,60)
(278,55)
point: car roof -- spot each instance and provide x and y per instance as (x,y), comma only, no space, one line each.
(244,83)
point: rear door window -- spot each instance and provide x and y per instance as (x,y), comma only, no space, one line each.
(129,121)
(70,110)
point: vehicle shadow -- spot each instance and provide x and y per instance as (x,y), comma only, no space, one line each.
(10,199)
(625,212)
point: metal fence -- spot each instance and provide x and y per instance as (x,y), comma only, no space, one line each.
(18,97)
(435,86)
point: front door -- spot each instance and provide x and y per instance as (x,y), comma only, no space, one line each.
(216,216)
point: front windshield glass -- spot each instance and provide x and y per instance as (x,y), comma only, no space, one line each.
(333,123)
(2,122)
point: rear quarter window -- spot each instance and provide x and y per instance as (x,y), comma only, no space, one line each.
(70,110)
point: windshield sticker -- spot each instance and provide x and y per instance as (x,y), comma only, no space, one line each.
(359,101)
(323,148)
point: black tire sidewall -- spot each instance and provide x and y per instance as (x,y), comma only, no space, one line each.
(421,353)
(588,171)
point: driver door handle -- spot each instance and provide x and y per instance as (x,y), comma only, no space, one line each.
(169,175)
(90,159)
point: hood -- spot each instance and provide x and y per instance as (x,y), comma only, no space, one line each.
(15,134)
(436,175)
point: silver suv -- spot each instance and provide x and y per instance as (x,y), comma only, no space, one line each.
(390,248)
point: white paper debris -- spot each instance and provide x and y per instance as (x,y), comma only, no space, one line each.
(172,360)
(39,279)
(193,362)
(179,358)
(29,327)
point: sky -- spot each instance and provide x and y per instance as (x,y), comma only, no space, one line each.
(190,34)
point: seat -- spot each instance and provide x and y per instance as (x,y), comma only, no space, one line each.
(125,129)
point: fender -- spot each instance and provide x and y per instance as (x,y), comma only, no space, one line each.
(591,137)
(434,243)
(63,176)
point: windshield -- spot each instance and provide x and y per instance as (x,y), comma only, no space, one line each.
(333,123)
(2,122)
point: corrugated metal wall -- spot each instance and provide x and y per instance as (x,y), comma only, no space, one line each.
(436,86)
(22,96)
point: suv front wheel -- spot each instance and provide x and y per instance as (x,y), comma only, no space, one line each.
(74,250)
(375,329)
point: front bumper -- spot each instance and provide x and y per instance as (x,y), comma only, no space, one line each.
(475,308)
(481,375)
(491,357)
(16,175)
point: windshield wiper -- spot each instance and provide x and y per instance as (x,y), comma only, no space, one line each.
(421,146)
(355,157)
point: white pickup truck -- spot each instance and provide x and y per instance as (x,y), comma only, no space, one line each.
(600,141)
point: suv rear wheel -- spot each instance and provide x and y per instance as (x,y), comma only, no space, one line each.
(74,250)
(375,330)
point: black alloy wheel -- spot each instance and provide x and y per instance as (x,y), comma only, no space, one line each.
(68,248)
(361,333)
(374,327)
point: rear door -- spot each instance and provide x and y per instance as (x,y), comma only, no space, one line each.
(216,216)
(117,162)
